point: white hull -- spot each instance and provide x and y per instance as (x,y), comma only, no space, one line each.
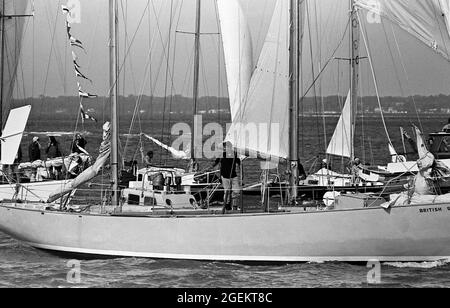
(31,192)
(413,233)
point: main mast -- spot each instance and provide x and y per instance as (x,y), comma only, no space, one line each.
(196,80)
(294,98)
(113,94)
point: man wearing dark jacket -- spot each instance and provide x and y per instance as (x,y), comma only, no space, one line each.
(34,150)
(230,180)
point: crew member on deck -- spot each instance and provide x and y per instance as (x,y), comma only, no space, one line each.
(230,179)
(446,128)
(79,145)
(148,159)
(34,150)
(52,152)
(34,154)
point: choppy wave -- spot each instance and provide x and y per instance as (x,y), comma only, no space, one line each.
(423,265)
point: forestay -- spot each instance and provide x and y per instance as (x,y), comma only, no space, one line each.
(426,20)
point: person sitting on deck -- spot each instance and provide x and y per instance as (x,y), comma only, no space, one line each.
(446,128)
(79,145)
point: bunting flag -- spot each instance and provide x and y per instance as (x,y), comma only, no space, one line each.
(79,74)
(85,115)
(73,40)
(75,60)
(77,43)
(83,94)
(65,9)
(68,28)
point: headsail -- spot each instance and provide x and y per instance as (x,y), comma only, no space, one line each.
(13,133)
(395,158)
(237,45)
(262,123)
(341,143)
(13,44)
(426,20)
(91,172)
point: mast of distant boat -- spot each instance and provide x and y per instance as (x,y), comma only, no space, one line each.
(113,79)
(294,98)
(354,63)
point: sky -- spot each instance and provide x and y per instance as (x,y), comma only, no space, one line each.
(46,62)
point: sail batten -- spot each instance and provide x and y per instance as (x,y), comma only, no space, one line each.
(426,20)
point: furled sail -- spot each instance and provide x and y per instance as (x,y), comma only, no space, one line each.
(426,20)
(91,172)
(261,126)
(175,153)
(341,143)
(13,133)
(430,169)
(237,45)
(14,28)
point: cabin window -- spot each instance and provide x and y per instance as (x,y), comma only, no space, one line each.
(140,177)
(149,201)
(133,199)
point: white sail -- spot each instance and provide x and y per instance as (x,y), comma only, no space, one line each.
(261,125)
(238,50)
(13,133)
(13,44)
(426,20)
(394,155)
(341,143)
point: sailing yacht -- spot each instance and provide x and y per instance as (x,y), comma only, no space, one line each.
(351,230)
(12,15)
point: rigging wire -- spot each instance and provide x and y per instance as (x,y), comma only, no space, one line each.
(374,79)
(313,71)
(167,71)
(406,76)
